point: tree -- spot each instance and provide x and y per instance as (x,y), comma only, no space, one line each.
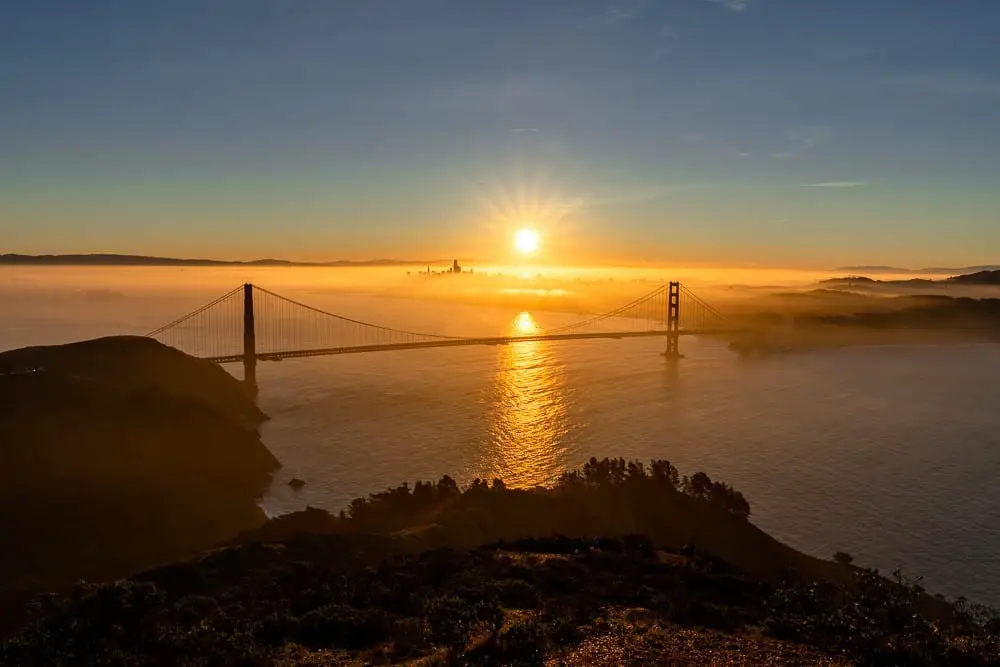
(700,485)
(664,473)
(843,558)
(447,486)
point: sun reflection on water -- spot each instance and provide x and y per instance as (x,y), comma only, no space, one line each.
(524,324)
(529,420)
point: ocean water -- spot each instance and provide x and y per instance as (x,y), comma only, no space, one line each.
(888,453)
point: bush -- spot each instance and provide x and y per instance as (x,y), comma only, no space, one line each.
(517,594)
(340,626)
(410,638)
(878,621)
(523,643)
(843,558)
(452,620)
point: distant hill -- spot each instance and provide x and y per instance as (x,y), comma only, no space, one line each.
(937,270)
(984,277)
(110,259)
(850,280)
(861,282)
(978,278)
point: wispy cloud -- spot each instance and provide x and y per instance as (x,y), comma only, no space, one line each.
(519,130)
(625,10)
(731,5)
(803,140)
(835,184)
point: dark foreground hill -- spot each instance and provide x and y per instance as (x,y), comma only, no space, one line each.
(314,589)
(117,454)
(365,600)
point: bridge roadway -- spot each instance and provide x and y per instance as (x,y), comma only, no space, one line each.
(462,342)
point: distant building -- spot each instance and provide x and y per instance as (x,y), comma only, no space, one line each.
(454,268)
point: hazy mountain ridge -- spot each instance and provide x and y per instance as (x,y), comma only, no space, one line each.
(927,271)
(112,259)
(985,277)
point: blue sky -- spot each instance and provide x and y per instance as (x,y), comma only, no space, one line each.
(734,131)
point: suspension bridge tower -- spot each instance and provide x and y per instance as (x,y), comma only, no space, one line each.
(249,340)
(673,351)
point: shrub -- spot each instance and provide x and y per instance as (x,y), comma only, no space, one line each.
(517,594)
(341,626)
(843,558)
(452,620)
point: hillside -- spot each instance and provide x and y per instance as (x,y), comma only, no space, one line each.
(975,276)
(988,277)
(119,453)
(605,498)
(289,595)
(344,601)
(933,270)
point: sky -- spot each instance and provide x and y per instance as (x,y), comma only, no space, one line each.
(749,132)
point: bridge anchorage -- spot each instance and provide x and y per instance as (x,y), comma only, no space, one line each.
(251,324)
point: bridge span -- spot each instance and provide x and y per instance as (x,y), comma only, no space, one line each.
(462,342)
(251,324)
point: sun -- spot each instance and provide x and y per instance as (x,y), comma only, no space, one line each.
(526,241)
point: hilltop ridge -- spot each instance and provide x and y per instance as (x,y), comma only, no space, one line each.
(934,270)
(113,259)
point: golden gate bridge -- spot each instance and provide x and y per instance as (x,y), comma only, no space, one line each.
(251,324)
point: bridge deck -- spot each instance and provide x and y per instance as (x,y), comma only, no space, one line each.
(463,342)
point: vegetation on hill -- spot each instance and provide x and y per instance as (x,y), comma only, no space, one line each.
(117,454)
(608,497)
(360,599)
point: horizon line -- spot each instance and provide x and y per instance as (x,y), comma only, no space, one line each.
(130,259)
